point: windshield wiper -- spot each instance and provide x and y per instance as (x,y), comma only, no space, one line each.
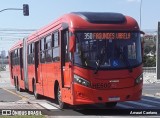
(99,62)
(97,68)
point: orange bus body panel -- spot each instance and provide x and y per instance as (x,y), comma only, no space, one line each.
(85,95)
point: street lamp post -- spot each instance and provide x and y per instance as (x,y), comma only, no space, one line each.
(140,12)
(25,9)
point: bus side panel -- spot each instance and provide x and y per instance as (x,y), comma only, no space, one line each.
(11,68)
(53,74)
(16,73)
(21,76)
(44,79)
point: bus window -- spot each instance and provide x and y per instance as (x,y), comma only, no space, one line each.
(55,44)
(48,49)
(42,51)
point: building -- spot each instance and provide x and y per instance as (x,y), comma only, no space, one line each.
(3,54)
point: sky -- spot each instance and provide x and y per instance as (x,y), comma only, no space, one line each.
(43,12)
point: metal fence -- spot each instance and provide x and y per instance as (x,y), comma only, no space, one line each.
(149,69)
(4,61)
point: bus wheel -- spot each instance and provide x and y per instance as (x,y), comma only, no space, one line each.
(36,95)
(111,104)
(62,105)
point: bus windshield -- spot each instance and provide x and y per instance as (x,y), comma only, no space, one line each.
(108,50)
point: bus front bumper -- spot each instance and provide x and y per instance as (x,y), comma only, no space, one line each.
(85,95)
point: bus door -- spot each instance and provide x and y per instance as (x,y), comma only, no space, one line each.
(66,70)
(36,61)
(21,64)
(11,62)
(38,67)
(42,67)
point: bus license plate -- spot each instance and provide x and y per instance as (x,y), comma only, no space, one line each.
(113,98)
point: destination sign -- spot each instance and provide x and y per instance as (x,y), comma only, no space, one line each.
(107,35)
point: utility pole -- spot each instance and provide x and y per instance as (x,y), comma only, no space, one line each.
(158,53)
(140,12)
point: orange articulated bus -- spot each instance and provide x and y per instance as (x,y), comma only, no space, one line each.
(81,58)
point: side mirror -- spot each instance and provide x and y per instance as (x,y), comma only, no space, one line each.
(141,32)
(72,41)
(142,45)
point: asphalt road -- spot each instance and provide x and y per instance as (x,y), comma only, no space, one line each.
(147,103)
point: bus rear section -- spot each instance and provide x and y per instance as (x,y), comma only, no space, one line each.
(16,66)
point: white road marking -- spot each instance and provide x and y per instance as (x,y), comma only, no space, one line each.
(141,104)
(47,106)
(125,106)
(150,101)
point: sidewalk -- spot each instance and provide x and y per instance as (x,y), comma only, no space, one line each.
(150,78)
(151,86)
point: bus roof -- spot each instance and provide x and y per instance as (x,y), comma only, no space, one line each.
(91,21)
(17,45)
(102,17)
(100,21)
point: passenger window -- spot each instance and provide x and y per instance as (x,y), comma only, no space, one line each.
(48,49)
(55,45)
(42,50)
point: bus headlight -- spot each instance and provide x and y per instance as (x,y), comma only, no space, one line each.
(81,81)
(139,79)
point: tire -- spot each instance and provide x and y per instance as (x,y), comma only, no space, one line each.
(62,105)
(36,95)
(111,104)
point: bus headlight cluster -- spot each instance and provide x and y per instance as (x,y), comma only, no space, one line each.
(81,81)
(139,79)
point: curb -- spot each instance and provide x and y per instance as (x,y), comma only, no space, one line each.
(157,94)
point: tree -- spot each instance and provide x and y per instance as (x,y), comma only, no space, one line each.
(149,61)
(147,49)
